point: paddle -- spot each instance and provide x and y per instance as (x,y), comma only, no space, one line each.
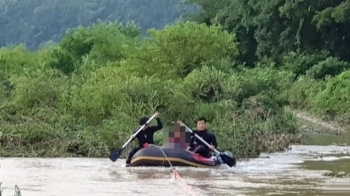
(229,160)
(115,154)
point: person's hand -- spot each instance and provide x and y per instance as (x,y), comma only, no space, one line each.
(156,114)
(146,145)
(180,122)
(132,136)
(212,147)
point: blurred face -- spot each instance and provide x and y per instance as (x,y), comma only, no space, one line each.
(201,126)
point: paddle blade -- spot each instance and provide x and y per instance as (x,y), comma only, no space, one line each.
(228,158)
(115,154)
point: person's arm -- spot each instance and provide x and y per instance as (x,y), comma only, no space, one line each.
(133,133)
(158,127)
(191,144)
(213,140)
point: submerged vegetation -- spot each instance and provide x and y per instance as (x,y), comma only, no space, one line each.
(84,95)
(337,174)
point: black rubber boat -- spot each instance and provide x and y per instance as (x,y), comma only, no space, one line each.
(154,156)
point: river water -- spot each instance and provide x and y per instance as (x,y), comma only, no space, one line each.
(295,172)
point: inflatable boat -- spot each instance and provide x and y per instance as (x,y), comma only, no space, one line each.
(159,156)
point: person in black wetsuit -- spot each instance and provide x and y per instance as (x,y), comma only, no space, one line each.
(196,145)
(145,136)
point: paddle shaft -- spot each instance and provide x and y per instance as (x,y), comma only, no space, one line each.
(201,139)
(138,131)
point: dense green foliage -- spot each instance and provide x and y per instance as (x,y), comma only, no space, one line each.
(274,28)
(239,69)
(308,38)
(86,94)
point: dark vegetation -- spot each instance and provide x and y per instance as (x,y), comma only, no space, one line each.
(239,63)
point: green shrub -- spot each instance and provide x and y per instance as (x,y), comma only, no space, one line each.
(332,101)
(328,67)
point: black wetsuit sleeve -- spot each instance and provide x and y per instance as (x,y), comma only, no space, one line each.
(158,127)
(193,138)
(192,141)
(136,136)
(213,140)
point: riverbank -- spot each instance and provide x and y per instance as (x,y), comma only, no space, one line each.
(311,130)
(316,131)
(247,138)
(319,125)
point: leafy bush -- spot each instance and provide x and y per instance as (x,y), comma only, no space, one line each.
(301,63)
(176,50)
(332,100)
(302,93)
(328,67)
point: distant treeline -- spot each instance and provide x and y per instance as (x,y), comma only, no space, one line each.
(38,21)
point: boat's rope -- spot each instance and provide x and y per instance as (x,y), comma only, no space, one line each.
(176,174)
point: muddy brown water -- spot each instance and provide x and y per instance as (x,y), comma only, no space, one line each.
(295,172)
